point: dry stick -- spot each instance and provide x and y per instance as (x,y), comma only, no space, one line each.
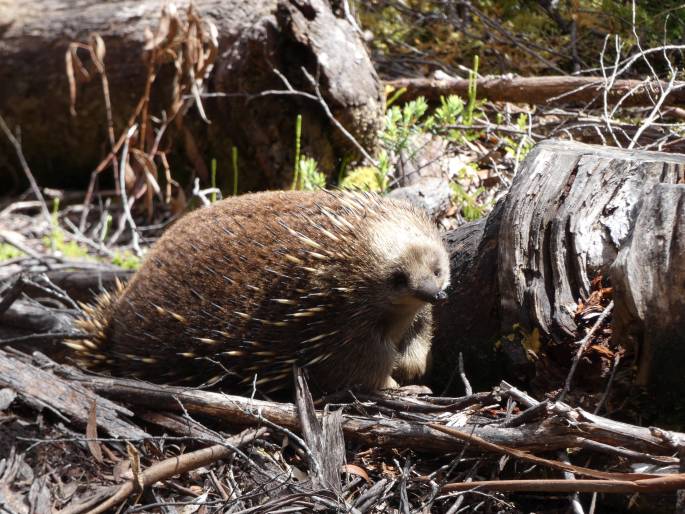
(105,162)
(318,97)
(542,90)
(656,110)
(463,436)
(581,349)
(608,84)
(329,115)
(122,190)
(647,485)
(576,506)
(175,466)
(97,54)
(468,390)
(11,293)
(605,394)
(27,171)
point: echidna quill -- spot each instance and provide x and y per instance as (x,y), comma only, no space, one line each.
(338,283)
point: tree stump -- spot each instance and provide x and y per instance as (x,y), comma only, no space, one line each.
(574,212)
(256,41)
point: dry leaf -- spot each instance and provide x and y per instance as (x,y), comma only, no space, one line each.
(353,469)
(92,433)
(97,51)
(136,470)
(76,71)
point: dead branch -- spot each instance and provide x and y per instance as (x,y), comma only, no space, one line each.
(177,465)
(647,485)
(554,432)
(582,346)
(463,436)
(25,167)
(549,90)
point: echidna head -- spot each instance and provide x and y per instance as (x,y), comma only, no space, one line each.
(411,264)
(420,274)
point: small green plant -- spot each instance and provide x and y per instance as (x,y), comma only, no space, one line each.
(306,174)
(7,252)
(467,201)
(471,105)
(401,123)
(234,164)
(396,94)
(212,196)
(310,178)
(56,241)
(69,249)
(105,227)
(470,209)
(405,124)
(298,139)
(54,224)
(519,148)
(126,260)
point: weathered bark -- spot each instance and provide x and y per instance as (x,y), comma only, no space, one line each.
(68,400)
(550,90)
(255,38)
(574,212)
(649,276)
(467,323)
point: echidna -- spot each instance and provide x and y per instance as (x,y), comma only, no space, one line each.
(338,283)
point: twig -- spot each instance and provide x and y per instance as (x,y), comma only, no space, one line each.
(54,291)
(176,465)
(122,190)
(41,338)
(468,390)
(463,436)
(527,415)
(583,344)
(27,171)
(11,293)
(664,92)
(605,394)
(608,83)
(648,485)
(576,506)
(329,114)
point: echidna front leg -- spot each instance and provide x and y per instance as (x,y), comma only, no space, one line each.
(390,383)
(414,357)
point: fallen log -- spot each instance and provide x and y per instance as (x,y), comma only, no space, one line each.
(69,401)
(574,212)
(549,90)
(546,434)
(259,44)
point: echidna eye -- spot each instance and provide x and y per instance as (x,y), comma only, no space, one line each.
(436,272)
(399,279)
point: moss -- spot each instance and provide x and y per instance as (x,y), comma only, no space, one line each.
(126,260)
(7,252)
(364,178)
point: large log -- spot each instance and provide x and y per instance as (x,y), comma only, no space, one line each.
(574,212)
(649,277)
(254,39)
